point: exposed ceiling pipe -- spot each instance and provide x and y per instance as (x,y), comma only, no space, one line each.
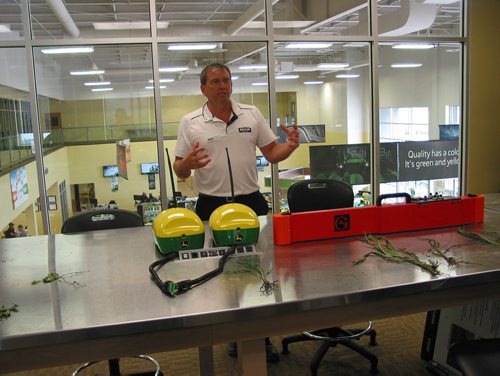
(251,14)
(57,7)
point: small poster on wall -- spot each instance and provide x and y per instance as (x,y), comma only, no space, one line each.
(123,156)
(18,186)
(114,183)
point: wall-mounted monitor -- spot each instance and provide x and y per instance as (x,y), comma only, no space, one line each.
(109,171)
(150,168)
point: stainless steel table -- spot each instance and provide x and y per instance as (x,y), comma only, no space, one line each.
(118,311)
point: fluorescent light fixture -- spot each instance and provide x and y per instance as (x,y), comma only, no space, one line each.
(287,77)
(4,28)
(128,25)
(173,69)
(259,83)
(87,72)
(317,82)
(279,24)
(103,89)
(98,83)
(192,46)
(406,65)
(453,50)
(355,44)
(163,80)
(309,45)
(413,46)
(152,87)
(68,50)
(253,67)
(327,66)
(347,75)
(234,78)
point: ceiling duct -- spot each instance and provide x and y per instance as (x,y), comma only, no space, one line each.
(57,7)
(251,14)
(413,16)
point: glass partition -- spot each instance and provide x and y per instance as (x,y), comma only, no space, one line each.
(323,17)
(89,19)
(420,97)
(99,102)
(210,18)
(426,18)
(11,24)
(180,85)
(326,92)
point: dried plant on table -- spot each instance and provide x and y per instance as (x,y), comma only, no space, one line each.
(267,287)
(384,249)
(6,312)
(51,277)
(490,238)
(436,250)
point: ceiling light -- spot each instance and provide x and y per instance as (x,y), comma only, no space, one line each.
(406,65)
(259,83)
(68,50)
(173,69)
(152,87)
(98,83)
(327,66)
(279,24)
(103,89)
(253,67)
(4,28)
(287,76)
(413,46)
(355,44)
(191,46)
(163,80)
(309,45)
(347,75)
(313,82)
(453,50)
(128,25)
(234,78)
(87,72)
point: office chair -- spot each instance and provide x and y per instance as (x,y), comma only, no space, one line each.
(476,357)
(107,219)
(324,194)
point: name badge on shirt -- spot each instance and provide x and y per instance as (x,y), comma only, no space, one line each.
(245,130)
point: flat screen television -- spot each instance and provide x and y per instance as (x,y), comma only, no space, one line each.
(109,171)
(150,168)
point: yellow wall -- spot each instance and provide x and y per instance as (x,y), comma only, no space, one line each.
(484,97)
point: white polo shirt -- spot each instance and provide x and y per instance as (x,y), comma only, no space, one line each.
(241,137)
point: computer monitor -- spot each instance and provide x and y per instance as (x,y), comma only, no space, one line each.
(150,168)
(109,171)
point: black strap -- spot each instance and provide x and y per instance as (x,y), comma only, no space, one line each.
(171,288)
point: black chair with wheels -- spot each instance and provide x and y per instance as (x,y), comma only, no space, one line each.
(476,357)
(108,219)
(325,194)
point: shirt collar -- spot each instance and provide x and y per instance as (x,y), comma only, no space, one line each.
(208,116)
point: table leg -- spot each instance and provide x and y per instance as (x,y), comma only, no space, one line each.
(252,358)
(206,361)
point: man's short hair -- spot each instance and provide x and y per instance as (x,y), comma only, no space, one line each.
(11,224)
(203,74)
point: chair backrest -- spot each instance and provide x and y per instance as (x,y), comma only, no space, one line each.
(105,219)
(319,194)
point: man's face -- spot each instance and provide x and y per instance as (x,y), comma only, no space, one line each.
(218,87)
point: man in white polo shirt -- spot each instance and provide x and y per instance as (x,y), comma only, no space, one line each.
(222,123)
(201,146)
